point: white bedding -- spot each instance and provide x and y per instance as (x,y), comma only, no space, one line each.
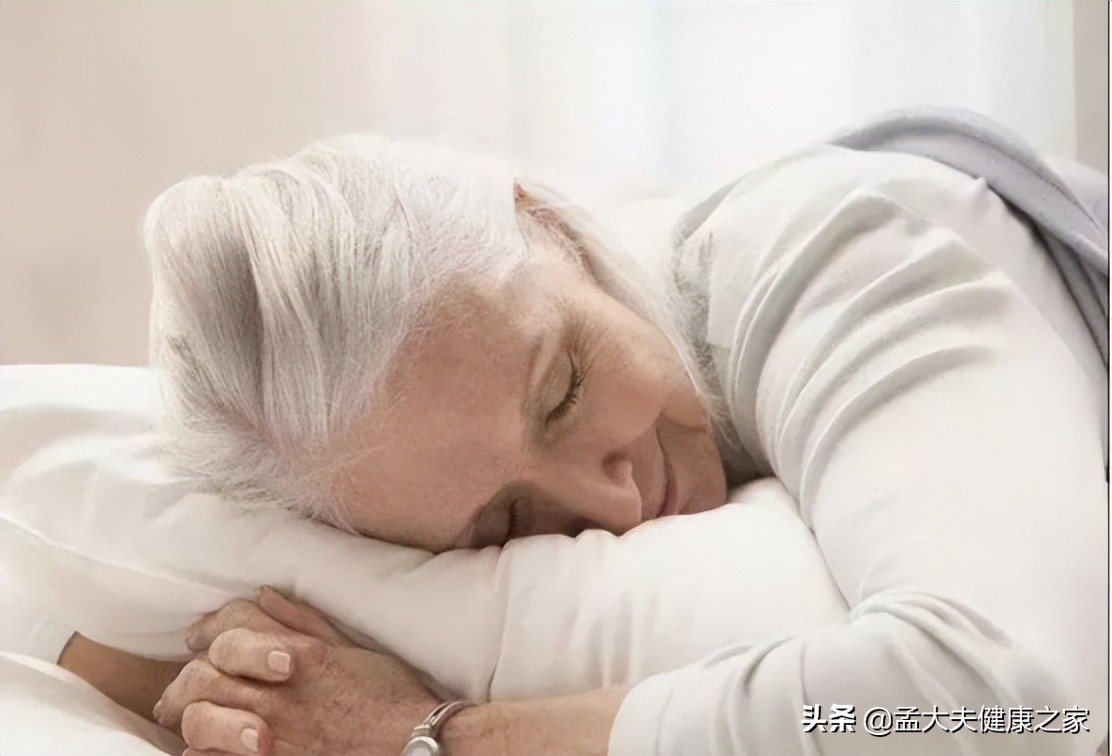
(129,558)
(874,321)
(115,549)
(47,710)
(91,520)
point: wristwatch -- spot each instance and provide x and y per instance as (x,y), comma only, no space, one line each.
(422,741)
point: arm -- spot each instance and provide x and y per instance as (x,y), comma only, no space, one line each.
(137,683)
(943,446)
(131,681)
(570,724)
(337,698)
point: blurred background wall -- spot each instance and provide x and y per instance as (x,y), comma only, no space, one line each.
(103,105)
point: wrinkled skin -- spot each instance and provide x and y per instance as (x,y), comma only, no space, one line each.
(335,698)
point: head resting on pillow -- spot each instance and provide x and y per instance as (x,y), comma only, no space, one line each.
(414,345)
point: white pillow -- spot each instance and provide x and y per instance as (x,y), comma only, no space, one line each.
(47,710)
(93,522)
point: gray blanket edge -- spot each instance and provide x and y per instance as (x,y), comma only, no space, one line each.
(1067,202)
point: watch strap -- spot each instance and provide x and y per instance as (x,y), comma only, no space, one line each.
(441,713)
(430,725)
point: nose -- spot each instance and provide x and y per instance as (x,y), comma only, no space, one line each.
(599,491)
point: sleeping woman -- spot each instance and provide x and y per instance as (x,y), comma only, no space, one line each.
(421,348)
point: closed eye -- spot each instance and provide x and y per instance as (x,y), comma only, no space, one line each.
(581,340)
(571,397)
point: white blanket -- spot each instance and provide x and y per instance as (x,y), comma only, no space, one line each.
(897,347)
(46,710)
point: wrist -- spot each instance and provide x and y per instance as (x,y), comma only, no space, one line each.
(476,730)
(568,724)
(424,739)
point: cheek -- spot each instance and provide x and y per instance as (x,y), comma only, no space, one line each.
(664,371)
(698,466)
(641,355)
(711,476)
(627,389)
(639,373)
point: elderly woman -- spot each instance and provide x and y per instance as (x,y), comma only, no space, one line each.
(423,349)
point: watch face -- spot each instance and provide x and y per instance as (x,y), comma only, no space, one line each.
(422,745)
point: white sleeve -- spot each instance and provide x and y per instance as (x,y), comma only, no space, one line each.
(942,444)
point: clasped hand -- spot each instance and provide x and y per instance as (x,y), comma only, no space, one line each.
(275,677)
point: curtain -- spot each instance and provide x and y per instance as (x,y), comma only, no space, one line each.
(104,105)
(662,97)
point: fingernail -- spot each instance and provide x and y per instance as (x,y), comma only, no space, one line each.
(250,738)
(157,709)
(279,661)
(191,638)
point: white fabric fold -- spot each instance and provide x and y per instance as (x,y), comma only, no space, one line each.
(941,440)
(103,535)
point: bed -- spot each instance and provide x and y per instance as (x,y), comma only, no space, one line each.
(97,534)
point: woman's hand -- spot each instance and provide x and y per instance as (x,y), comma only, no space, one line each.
(277,677)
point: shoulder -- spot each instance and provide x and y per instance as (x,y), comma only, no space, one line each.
(807,204)
(802,255)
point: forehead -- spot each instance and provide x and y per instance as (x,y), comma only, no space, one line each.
(474,332)
(448,426)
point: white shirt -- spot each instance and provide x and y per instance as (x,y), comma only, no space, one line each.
(894,345)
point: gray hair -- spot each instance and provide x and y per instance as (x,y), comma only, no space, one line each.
(283,293)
